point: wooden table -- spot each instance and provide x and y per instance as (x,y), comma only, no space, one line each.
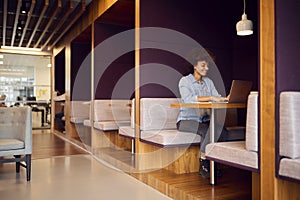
(212,106)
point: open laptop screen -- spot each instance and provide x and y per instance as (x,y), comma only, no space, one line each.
(239,91)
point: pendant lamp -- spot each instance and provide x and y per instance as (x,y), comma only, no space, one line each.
(245,26)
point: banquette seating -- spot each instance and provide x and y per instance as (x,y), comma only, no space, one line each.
(109,115)
(240,154)
(161,145)
(289,137)
(80,111)
(16,137)
(158,124)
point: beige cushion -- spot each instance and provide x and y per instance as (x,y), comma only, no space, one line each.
(80,110)
(127,131)
(112,110)
(232,152)
(87,122)
(289,124)
(290,168)
(252,122)
(11,144)
(110,125)
(170,137)
(157,114)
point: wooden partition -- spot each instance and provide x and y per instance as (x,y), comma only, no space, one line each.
(59,75)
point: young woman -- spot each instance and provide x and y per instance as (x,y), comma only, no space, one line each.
(196,87)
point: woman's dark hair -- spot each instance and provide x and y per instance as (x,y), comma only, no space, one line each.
(199,54)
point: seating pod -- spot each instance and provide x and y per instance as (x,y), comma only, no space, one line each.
(80,111)
(109,115)
(289,137)
(240,154)
(161,144)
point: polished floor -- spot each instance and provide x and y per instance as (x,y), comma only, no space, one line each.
(75,176)
(62,170)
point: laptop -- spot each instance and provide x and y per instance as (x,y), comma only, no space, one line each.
(239,91)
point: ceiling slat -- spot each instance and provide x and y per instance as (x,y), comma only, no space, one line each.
(61,22)
(49,23)
(4,21)
(38,23)
(27,22)
(76,17)
(16,22)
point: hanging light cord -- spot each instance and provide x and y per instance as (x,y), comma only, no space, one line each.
(244,6)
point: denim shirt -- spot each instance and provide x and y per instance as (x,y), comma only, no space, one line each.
(190,89)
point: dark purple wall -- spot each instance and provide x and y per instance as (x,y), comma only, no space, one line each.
(80,71)
(114,73)
(212,25)
(287,47)
(60,72)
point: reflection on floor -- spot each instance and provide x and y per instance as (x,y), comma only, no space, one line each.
(73,177)
(61,170)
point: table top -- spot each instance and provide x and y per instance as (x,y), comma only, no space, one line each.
(209,105)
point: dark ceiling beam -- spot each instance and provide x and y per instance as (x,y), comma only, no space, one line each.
(27,22)
(59,5)
(61,22)
(38,23)
(4,21)
(76,17)
(16,22)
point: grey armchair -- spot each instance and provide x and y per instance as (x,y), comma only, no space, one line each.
(16,137)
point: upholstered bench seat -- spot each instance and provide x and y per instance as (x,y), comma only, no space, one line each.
(80,111)
(11,144)
(289,137)
(127,131)
(170,138)
(290,168)
(233,153)
(87,122)
(77,120)
(110,125)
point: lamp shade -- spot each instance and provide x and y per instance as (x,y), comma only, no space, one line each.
(245,26)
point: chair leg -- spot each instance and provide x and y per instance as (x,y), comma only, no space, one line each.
(18,164)
(28,166)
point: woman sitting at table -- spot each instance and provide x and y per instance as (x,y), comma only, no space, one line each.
(196,87)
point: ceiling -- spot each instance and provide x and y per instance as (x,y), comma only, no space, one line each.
(42,24)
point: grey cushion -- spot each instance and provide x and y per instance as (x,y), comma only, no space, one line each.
(170,137)
(127,131)
(110,125)
(11,144)
(87,122)
(114,110)
(289,143)
(233,152)
(80,110)
(252,122)
(156,113)
(290,168)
